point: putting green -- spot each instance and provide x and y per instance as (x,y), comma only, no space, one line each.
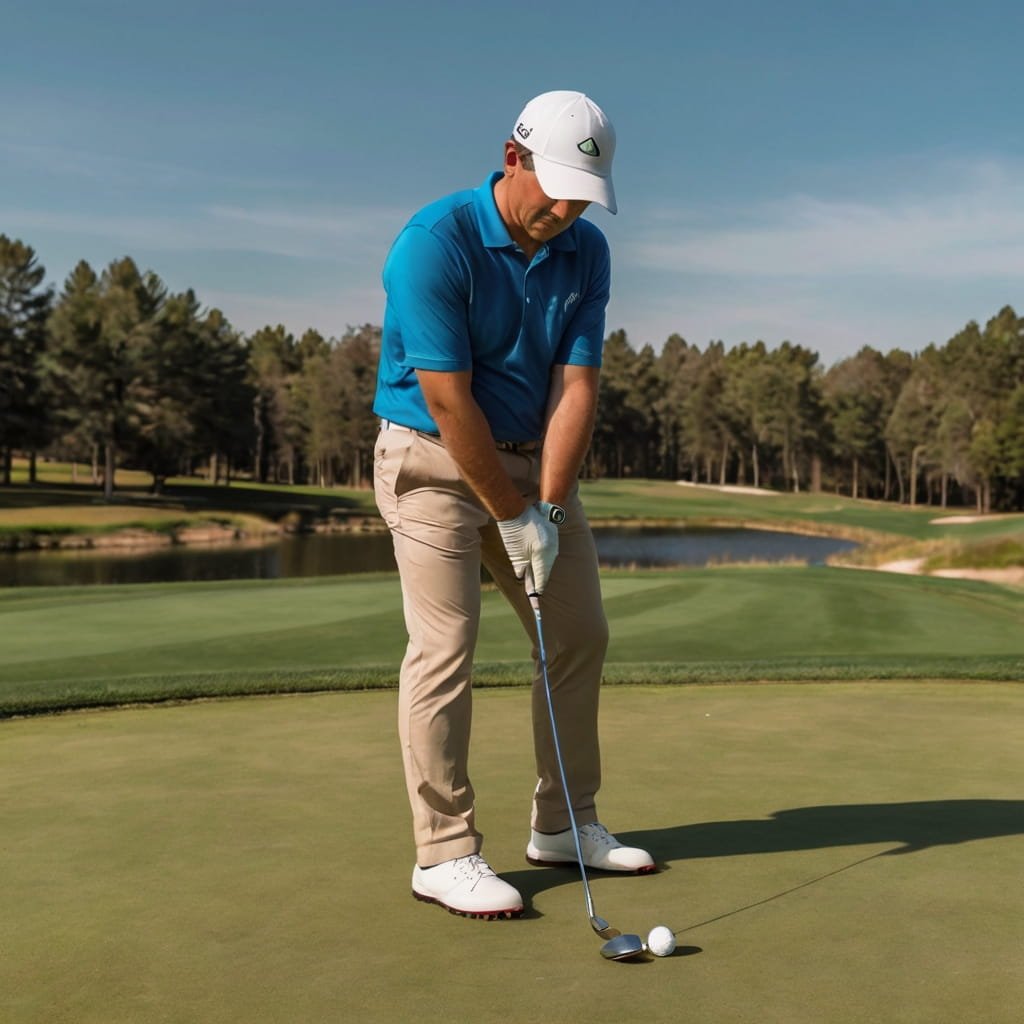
(840,853)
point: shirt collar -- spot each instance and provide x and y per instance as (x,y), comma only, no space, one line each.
(492,228)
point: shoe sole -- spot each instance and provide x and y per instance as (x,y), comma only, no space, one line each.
(480,915)
(647,869)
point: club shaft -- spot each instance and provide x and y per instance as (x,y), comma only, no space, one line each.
(535,605)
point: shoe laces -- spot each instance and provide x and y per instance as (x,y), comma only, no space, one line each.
(474,867)
(598,834)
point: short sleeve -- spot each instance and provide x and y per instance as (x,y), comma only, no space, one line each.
(583,338)
(427,285)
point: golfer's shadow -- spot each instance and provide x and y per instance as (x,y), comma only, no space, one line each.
(909,826)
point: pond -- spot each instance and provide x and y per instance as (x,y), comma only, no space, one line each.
(341,553)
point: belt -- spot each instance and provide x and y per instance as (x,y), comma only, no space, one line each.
(523,447)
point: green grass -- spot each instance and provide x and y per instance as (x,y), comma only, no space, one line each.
(990,553)
(827,513)
(210,862)
(831,854)
(60,521)
(56,505)
(604,499)
(81,646)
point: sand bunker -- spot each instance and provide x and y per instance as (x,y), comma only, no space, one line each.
(915,566)
(953,520)
(731,488)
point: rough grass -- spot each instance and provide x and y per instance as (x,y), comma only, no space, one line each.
(994,553)
(61,519)
(1001,550)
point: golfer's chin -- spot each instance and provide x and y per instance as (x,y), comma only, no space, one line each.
(544,231)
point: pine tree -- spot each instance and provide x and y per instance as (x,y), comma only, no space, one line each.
(100,333)
(24,309)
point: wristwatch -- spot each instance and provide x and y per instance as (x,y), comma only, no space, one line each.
(553,513)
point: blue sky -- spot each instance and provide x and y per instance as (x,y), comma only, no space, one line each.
(834,174)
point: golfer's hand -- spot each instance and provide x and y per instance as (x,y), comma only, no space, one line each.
(531,541)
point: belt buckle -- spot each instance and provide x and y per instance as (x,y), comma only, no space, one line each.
(517,447)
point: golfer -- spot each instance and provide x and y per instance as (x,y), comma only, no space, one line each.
(487,391)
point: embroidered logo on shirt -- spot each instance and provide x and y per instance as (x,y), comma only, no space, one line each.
(589,146)
(569,301)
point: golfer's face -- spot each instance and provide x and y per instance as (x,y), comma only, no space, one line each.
(540,216)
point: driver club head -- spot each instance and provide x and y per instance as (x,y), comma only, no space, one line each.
(623,947)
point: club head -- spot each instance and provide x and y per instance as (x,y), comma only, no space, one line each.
(623,947)
(603,928)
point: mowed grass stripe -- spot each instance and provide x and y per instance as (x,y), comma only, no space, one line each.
(696,615)
(164,618)
(85,646)
(806,612)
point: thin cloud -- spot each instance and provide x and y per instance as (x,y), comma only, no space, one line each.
(353,234)
(971,229)
(119,169)
(152,232)
(833,324)
(329,315)
(328,221)
(350,236)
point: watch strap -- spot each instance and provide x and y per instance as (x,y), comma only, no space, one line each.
(551,512)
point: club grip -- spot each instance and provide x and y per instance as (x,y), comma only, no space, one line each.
(531,590)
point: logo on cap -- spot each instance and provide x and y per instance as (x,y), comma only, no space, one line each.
(522,131)
(589,146)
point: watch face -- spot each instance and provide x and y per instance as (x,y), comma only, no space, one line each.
(557,515)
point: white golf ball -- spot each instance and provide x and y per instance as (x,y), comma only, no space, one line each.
(661,941)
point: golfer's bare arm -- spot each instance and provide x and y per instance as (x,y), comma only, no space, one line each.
(572,407)
(467,436)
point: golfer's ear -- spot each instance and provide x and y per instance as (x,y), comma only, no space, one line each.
(511,157)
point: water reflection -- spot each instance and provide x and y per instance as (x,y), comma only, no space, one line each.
(338,554)
(650,547)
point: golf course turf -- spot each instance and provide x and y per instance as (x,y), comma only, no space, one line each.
(837,808)
(89,646)
(831,853)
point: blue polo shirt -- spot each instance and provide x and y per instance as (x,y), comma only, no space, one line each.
(461,295)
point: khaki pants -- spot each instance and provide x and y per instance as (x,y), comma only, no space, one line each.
(441,534)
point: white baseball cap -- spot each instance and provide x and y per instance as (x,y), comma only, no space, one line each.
(572,144)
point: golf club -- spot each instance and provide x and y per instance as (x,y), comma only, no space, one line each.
(618,946)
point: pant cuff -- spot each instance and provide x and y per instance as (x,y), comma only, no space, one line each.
(550,821)
(437,853)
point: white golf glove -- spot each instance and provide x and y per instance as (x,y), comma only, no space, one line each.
(531,540)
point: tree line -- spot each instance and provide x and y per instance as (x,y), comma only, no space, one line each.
(115,370)
(942,426)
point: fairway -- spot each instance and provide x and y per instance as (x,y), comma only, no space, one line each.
(67,647)
(845,853)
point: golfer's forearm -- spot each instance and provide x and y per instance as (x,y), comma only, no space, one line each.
(571,411)
(467,436)
(472,448)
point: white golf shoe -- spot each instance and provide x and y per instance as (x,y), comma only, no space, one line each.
(467,886)
(601,851)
